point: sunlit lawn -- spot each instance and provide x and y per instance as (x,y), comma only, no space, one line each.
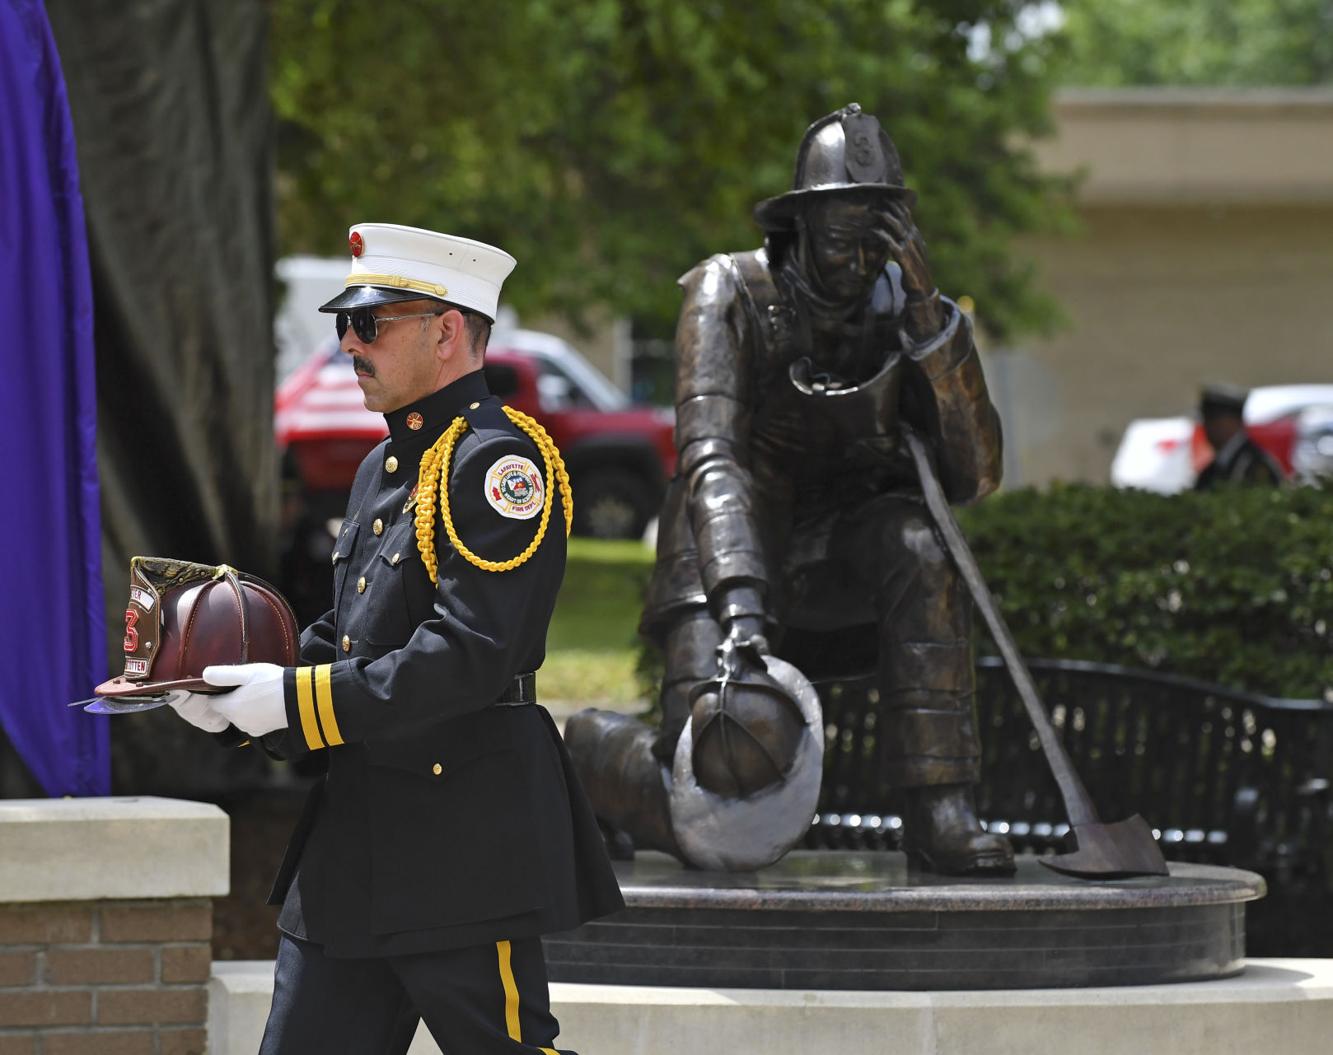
(593,645)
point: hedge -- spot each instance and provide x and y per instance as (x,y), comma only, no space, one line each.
(1233,586)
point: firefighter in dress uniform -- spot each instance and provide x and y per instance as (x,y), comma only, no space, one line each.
(450,832)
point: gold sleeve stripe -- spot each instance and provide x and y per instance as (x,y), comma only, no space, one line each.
(324,698)
(305,707)
(511,991)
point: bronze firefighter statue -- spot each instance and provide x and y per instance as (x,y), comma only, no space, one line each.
(797,514)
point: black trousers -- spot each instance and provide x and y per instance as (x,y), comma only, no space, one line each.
(479,1000)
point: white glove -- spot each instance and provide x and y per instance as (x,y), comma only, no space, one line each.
(256,704)
(197,709)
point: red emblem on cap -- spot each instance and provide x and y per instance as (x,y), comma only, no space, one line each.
(415,421)
(356,244)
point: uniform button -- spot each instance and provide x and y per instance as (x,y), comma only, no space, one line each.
(347,643)
(473,406)
(361,585)
(395,558)
(391,464)
(378,526)
(437,769)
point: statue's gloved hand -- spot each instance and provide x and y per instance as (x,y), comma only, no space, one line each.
(197,709)
(745,643)
(256,704)
(924,315)
(741,652)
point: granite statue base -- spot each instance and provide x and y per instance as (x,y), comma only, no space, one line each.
(866,921)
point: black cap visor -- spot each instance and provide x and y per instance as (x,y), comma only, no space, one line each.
(369,296)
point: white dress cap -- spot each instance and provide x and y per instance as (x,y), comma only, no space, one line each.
(428,263)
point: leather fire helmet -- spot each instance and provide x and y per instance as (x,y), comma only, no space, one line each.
(182,617)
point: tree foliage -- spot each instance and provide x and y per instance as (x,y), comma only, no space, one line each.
(611,144)
(1199,42)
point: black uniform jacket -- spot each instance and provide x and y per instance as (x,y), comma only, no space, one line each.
(445,819)
(1241,461)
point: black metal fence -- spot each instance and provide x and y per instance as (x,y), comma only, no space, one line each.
(1224,777)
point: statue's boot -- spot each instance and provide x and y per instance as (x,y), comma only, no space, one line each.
(625,782)
(942,833)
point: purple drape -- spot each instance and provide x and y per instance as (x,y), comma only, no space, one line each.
(52,634)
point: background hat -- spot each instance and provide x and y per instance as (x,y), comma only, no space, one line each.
(392,263)
(845,152)
(1223,399)
(182,617)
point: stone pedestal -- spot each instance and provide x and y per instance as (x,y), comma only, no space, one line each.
(865,921)
(105,924)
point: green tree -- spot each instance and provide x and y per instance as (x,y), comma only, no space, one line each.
(611,144)
(1199,42)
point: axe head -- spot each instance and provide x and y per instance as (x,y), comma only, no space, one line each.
(1111,851)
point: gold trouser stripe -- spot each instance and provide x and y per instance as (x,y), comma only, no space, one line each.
(511,991)
(399,282)
(305,706)
(324,697)
(505,953)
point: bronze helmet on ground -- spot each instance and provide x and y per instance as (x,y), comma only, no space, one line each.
(747,727)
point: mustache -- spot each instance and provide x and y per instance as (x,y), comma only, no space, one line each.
(363,366)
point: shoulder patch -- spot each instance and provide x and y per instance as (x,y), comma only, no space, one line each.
(514,487)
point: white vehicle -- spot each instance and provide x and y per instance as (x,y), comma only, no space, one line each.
(1312,457)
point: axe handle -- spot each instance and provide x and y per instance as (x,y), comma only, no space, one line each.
(1078,804)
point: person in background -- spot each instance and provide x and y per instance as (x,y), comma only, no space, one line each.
(1237,459)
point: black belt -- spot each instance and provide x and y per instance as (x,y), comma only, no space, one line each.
(520,691)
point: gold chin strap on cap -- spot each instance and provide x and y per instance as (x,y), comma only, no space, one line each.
(398,282)
(433,485)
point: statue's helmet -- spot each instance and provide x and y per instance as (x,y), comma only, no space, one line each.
(845,153)
(747,729)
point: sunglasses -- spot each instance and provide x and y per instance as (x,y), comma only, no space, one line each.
(365,323)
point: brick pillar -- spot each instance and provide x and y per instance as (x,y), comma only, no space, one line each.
(86,966)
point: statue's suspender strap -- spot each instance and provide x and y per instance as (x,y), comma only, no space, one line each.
(763,302)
